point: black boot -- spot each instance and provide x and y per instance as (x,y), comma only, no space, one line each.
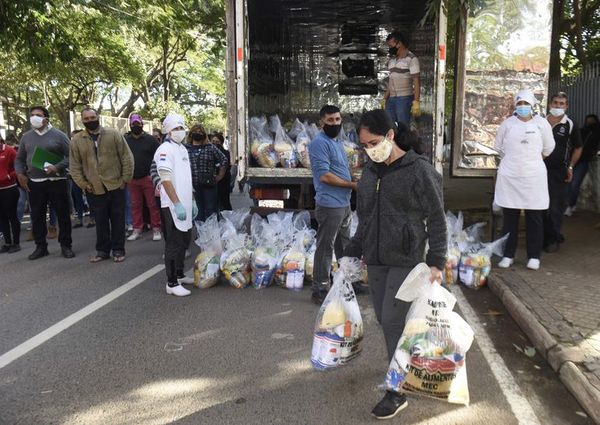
(40,251)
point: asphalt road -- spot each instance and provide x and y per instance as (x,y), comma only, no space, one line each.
(226,356)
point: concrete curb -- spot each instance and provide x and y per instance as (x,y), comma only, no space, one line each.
(557,355)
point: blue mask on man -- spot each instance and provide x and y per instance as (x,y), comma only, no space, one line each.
(523,110)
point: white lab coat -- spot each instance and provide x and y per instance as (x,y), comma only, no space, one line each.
(173,157)
(522,181)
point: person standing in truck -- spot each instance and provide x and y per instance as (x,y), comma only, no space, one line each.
(333,186)
(403,94)
(401,223)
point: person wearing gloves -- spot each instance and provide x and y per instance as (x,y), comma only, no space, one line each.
(178,208)
(523,141)
(402,97)
(400,212)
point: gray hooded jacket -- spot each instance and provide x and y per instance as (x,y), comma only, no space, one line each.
(400,208)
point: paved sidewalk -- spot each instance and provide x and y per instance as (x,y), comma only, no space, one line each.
(559,306)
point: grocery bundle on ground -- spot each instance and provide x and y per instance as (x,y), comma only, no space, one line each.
(249,250)
(469,261)
(271,146)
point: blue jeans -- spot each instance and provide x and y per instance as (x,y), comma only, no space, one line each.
(207,200)
(579,172)
(399,108)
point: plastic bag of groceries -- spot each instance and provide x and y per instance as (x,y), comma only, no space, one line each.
(207,263)
(339,328)
(261,143)
(311,129)
(302,142)
(238,218)
(309,268)
(290,269)
(266,253)
(283,145)
(476,262)
(235,260)
(430,356)
(297,128)
(459,240)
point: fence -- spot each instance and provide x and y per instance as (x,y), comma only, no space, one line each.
(584,99)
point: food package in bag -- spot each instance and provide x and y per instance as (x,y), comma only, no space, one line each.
(311,129)
(430,356)
(283,145)
(476,262)
(207,263)
(458,241)
(297,128)
(261,143)
(309,268)
(339,328)
(290,269)
(266,253)
(235,260)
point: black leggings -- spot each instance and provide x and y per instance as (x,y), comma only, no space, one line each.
(176,242)
(534,225)
(9,222)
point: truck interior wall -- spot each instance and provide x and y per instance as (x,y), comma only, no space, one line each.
(305,54)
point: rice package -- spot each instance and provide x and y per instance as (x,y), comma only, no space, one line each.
(339,327)
(235,260)
(261,143)
(430,356)
(476,262)
(207,263)
(283,145)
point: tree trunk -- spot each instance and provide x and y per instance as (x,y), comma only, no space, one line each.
(554,72)
(579,48)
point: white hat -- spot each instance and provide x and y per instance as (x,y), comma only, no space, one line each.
(527,96)
(173,121)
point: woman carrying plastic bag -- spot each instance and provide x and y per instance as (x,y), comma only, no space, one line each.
(400,212)
(339,327)
(430,356)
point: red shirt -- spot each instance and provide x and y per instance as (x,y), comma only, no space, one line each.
(8,177)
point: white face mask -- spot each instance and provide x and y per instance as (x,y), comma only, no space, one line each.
(36,122)
(177,135)
(380,152)
(557,112)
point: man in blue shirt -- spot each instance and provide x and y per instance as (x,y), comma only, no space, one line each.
(333,187)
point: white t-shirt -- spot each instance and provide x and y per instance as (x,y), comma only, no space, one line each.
(522,181)
(402,71)
(173,157)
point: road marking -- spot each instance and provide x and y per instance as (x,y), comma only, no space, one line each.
(518,403)
(69,321)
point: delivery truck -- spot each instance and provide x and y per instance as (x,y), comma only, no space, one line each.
(291,57)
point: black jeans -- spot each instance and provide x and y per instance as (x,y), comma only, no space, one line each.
(109,212)
(176,242)
(9,222)
(558,190)
(224,189)
(56,193)
(534,224)
(207,201)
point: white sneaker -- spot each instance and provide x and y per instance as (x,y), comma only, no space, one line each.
(505,262)
(569,211)
(135,236)
(533,264)
(178,291)
(185,280)
(156,236)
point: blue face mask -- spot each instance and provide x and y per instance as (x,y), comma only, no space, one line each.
(523,110)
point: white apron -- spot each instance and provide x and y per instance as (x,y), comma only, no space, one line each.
(174,157)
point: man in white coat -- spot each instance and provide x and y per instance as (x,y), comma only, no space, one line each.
(178,208)
(523,140)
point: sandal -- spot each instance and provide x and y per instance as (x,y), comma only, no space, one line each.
(97,258)
(119,258)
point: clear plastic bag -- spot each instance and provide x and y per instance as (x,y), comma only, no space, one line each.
(339,327)
(207,263)
(266,253)
(290,269)
(302,145)
(430,356)
(459,240)
(261,143)
(312,130)
(283,145)
(235,260)
(476,262)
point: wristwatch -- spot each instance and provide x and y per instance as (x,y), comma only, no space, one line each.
(570,167)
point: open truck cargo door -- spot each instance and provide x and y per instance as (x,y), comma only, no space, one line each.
(291,57)
(504,47)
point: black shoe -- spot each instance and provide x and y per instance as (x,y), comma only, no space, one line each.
(390,405)
(359,288)
(67,252)
(319,296)
(14,248)
(40,251)
(551,248)
(561,239)
(4,248)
